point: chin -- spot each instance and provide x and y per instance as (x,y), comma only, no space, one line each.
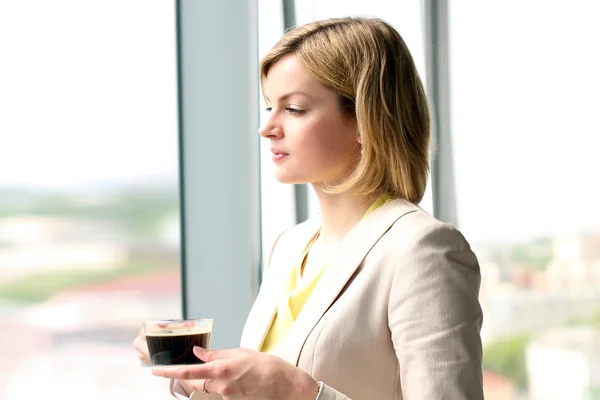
(289,179)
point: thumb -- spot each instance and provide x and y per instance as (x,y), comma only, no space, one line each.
(212,355)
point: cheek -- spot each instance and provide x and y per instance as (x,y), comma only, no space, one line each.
(307,138)
(338,145)
(329,139)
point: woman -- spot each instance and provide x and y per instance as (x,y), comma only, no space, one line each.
(373,298)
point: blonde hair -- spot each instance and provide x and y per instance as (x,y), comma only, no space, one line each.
(367,64)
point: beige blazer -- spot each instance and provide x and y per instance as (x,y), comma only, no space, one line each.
(395,315)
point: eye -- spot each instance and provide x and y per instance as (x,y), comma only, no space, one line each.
(268,109)
(294,111)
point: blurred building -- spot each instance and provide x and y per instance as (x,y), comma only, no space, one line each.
(497,387)
(575,265)
(31,244)
(513,312)
(89,310)
(564,363)
(493,280)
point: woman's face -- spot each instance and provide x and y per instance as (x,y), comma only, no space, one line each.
(312,141)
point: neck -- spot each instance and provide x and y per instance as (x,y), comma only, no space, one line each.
(339,213)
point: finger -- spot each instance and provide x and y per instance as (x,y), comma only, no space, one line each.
(137,343)
(213,355)
(144,359)
(197,386)
(140,346)
(209,385)
(143,356)
(184,372)
(140,338)
(219,369)
(142,349)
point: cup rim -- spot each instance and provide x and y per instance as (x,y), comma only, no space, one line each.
(177,320)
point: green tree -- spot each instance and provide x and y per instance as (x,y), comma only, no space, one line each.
(592,393)
(507,358)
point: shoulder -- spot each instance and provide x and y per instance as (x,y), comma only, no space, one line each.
(418,244)
(417,228)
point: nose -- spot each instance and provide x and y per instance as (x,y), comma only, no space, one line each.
(270,129)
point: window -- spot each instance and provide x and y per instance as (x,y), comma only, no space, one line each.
(524,79)
(89,198)
(277,199)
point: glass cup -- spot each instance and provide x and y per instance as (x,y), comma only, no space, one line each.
(171,342)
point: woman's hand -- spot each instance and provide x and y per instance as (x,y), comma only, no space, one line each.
(241,373)
(141,346)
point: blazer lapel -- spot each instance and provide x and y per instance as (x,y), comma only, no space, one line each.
(353,249)
(273,287)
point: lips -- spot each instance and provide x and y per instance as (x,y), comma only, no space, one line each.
(278,152)
(278,155)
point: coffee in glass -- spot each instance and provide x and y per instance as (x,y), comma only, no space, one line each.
(171,342)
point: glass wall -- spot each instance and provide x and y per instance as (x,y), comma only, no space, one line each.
(525,87)
(89,198)
(277,199)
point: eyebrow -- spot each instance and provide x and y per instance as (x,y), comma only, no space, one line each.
(290,94)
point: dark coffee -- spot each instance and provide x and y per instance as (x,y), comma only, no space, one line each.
(176,347)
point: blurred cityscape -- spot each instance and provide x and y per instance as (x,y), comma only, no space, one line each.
(541,329)
(79,272)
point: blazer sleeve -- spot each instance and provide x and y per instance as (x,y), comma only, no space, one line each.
(328,393)
(435,317)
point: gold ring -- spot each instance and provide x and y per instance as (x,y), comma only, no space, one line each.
(204,386)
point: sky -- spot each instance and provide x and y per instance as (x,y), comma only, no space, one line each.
(88,97)
(87,92)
